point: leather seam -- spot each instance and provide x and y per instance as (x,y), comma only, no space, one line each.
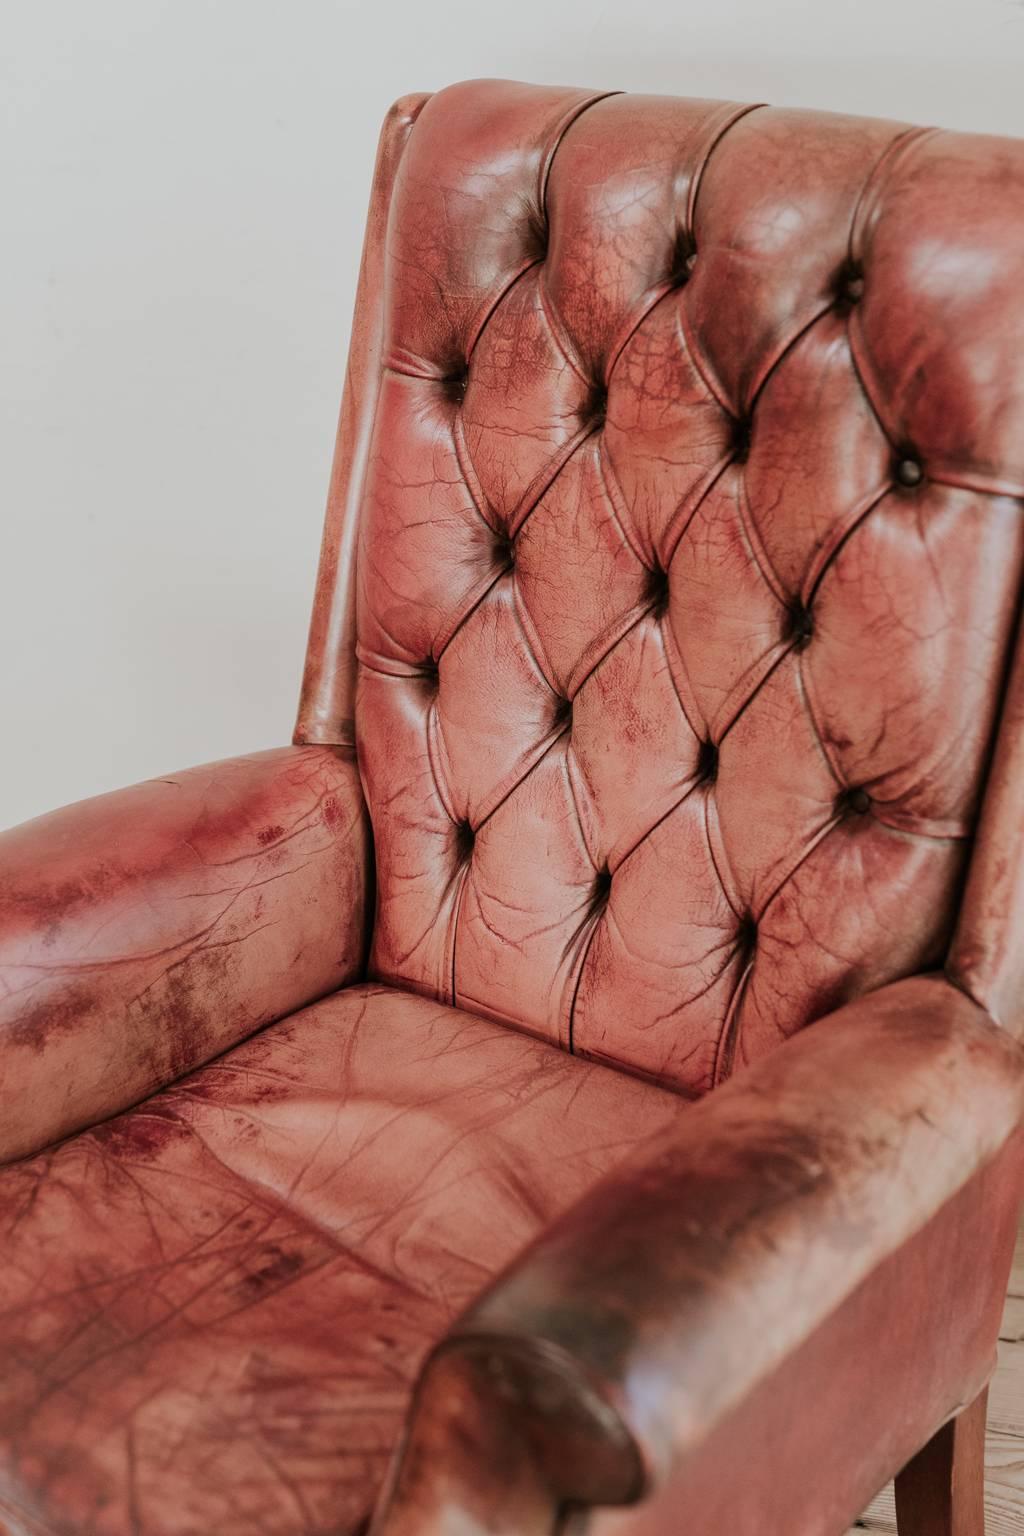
(731,118)
(903,143)
(558,133)
(728,1039)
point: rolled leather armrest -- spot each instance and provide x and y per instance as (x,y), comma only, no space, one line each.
(657,1304)
(143,932)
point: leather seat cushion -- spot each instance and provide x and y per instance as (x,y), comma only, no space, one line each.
(212,1307)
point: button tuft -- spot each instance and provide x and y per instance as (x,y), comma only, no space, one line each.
(602,887)
(656,590)
(537,235)
(849,285)
(684,259)
(504,550)
(799,624)
(707,762)
(456,383)
(909,472)
(741,434)
(854,801)
(746,933)
(596,408)
(465,837)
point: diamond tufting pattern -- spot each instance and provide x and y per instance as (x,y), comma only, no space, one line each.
(688,562)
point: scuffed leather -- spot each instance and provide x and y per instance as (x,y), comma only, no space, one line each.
(144,931)
(212,1307)
(812,1443)
(695,1268)
(689,560)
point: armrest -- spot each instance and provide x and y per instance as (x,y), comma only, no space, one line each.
(613,1346)
(143,932)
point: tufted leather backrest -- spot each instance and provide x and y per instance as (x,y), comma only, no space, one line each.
(689,545)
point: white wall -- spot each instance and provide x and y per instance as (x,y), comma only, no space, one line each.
(182,189)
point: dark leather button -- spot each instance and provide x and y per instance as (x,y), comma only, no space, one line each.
(741,432)
(430,670)
(656,593)
(909,472)
(602,887)
(465,837)
(855,801)
(563,714)
(746,933)
(504,551)
(456,383)
(684,259)
(799,624)
(849,285)
(596,408)
(537,236)
(707,762)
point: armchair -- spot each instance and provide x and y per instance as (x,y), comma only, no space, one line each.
(577,1086)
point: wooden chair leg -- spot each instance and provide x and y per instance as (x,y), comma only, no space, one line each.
(942,1491)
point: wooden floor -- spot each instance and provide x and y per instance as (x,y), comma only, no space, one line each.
(1004,1458)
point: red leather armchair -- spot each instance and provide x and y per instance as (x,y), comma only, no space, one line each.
(662,700)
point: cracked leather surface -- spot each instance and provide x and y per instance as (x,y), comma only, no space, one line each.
(212,1307)
(689,559)
(144,931)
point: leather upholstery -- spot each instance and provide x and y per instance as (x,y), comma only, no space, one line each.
(770,1203)
(144,931)
(690,549)
(212,1308)
(667,596)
